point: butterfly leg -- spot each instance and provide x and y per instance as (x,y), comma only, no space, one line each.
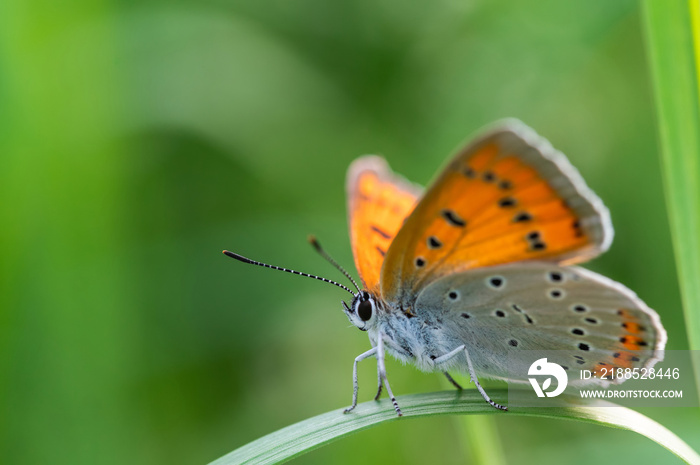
(379,388)
(355,385)
(472,374)
(382,372)
(451,380)
(447,356)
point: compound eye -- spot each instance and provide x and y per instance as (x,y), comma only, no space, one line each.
(364,310)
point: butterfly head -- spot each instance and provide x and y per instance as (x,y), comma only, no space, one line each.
(362,312)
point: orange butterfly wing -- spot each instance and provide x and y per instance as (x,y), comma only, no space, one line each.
(378,203)
(507,197)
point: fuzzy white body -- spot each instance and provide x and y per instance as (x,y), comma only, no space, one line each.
(418,339)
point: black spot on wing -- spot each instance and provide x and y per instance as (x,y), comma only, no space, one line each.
(522,217)
(453,218)
(434,242)
(496,282)
(556,293)
(384,234)
(506,202)
(521,311)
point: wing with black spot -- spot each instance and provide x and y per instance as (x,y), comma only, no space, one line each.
(378,203)
(507,197)
(592,322)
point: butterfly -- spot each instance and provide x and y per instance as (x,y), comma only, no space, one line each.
(480,265)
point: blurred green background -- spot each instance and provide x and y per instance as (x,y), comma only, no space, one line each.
(139,139)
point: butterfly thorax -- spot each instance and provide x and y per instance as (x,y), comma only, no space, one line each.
(417,336)
(418,339)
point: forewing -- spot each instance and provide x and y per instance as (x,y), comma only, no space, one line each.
(378,203)
(507,197)
(596,323)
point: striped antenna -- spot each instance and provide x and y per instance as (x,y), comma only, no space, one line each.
(314,242)
(253,262)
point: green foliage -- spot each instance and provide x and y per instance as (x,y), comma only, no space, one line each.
(139,139)
(676,81)
(307,435)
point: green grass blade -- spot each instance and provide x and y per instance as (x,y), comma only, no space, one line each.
(315,432)
(671,53)
(482,438)
(482,444)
